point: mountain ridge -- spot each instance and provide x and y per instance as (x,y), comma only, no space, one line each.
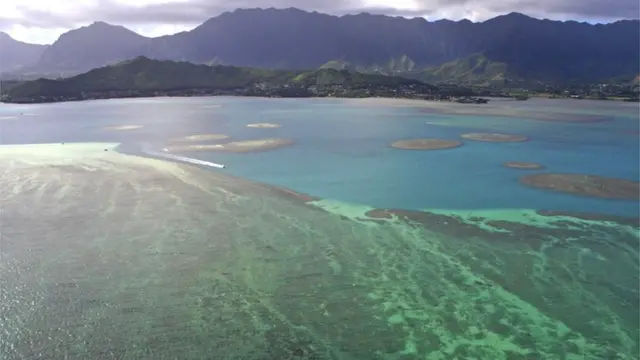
(15,54)
(512,13)
(532,49)
(120,44)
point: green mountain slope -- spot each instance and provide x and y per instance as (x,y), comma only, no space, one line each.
(324,77)
(475,69)
(143,74)
(145,77)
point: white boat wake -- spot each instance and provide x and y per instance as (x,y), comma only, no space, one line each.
(146,148)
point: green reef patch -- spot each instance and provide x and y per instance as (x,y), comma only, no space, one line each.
(585,185)
(106,255)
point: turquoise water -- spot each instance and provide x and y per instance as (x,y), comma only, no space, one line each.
(108,254)
(342,148)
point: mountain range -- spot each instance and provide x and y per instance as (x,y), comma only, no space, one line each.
(508,48)
(16,54)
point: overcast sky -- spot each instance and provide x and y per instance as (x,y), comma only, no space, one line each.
(42,21)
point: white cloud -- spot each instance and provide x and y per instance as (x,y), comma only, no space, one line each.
(410,5)
(34,35)
(34,21)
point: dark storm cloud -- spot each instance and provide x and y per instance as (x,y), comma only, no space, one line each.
(193,12)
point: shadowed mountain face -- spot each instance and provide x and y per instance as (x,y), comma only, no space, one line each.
(15,54)
(522,47)
(92,46)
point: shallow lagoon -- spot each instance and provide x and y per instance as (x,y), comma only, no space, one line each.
(209,265)
(342,146)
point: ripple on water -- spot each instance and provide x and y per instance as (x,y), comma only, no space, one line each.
(288,275)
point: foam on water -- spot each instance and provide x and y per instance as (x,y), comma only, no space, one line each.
(148,150)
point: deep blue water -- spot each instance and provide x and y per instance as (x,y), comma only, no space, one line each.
(342,147)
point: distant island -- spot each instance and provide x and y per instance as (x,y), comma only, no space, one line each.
(144,77)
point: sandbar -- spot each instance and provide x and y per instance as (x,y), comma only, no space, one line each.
(585,185)
(236,146)
(494,137)
(425,144)
(264,126)
(203,137)
(123,127)
(523,165)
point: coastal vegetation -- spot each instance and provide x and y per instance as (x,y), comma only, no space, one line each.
(144,77)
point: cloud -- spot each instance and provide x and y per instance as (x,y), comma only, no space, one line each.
(556,9)
(152,17)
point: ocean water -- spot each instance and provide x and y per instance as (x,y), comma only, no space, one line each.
(343,153)
(110,252)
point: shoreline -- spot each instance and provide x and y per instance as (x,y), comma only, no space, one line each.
(74,100)
(391,101)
